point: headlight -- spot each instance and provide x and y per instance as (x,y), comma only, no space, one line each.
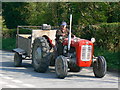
(92,40)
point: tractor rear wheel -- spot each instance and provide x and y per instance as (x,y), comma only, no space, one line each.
(40,54)
(61,67)
(99,67)
(17,60)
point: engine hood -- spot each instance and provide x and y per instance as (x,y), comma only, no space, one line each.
(77,41)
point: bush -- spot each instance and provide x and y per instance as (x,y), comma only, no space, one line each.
(7,33)
(11,33)
(107,35)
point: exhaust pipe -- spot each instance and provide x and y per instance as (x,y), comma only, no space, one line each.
(69,36)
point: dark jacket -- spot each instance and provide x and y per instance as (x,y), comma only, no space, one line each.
(60,33)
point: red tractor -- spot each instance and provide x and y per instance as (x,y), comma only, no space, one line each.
(40,46)
(78,53)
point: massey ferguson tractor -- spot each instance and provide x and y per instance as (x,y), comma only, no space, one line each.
(41,48)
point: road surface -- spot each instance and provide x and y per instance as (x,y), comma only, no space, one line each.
(26,77)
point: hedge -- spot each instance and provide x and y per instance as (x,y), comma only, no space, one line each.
(107,35)
(11,33)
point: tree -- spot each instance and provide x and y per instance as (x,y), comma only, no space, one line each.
(113,12)
(15,13)
(53,13)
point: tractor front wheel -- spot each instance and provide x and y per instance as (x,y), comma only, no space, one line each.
(99,67)
(61,67)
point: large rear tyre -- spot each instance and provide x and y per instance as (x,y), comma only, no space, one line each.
(100,67)
(61,67)
(40,54)
(17,60)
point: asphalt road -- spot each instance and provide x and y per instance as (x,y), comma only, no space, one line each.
(26,77)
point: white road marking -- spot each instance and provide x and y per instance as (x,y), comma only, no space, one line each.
(7,77)
(29,85)
(1,74)
(12,86)
(17,81)
(3,82)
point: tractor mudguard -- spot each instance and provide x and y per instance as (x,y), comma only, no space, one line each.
(49,41)
(19,51)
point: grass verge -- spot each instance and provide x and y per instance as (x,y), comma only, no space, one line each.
(112,58)
(8,43)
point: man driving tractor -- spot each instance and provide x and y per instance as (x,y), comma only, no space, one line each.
(60,36)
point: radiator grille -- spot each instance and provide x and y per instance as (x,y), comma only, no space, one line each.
(86,52)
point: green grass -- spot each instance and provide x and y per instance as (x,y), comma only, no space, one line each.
(8,43)
(112,58)
(0,43)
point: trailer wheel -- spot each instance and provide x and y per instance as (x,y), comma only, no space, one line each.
(99,67)
(61,67)
(40,54)
(17,60)
(74,68)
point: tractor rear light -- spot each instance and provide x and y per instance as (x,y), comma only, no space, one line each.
(86,51)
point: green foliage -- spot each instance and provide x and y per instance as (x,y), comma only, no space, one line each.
(15,13)
(113,12)
(0,20)
(107,35)
(39,13)
(7,33)
(90,13)
(0,43)
(8,43)
(53,13)
(112,58)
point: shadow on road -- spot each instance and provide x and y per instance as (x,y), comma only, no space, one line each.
(27,68)
(76,75)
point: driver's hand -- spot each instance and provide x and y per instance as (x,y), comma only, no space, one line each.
(63,34)
(60,37)
(74,36)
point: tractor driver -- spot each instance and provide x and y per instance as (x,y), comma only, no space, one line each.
(60,36)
